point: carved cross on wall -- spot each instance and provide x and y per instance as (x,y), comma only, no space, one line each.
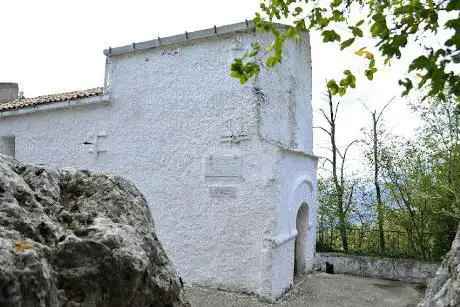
(94,143)
(234,137)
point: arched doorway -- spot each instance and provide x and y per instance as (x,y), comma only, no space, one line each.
(301,240)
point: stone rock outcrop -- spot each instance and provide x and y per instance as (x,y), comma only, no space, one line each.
(79,238)
(444,288)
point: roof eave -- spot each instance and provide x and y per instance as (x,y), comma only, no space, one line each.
(246,26)
(104,99)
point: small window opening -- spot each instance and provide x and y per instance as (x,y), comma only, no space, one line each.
(8,145)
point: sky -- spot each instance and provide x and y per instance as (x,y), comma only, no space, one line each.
(52,46)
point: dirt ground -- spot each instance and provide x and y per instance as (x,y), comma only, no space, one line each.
(321,290)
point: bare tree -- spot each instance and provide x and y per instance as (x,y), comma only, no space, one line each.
(337,162)
(376,166)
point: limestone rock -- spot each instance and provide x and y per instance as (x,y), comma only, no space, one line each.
(79,238)
(444,288)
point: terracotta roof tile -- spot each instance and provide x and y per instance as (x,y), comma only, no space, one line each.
(46,99)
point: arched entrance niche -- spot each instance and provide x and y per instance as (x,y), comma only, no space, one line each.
(301,240)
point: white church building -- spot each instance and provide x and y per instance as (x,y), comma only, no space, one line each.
(227,169)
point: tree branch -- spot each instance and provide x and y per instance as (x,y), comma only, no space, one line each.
(325,116)
(350,198)
(336,110)
(343,160)
(324,129)
(383,109)
(326,160)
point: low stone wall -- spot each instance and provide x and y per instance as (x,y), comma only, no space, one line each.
(384,268)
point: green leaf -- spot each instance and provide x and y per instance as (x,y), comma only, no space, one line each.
(407,83)
(271,61)
(333,87)
(438,81)
(347,43)
(419,63)
(267,26)
(342,91)
(297,11)
(237,65)
(255,49)
(423,80)
(244,71)
(330,36)
(406,9)
(379,28)
(258,21)
(335,3)
(337,16)
(371,63)
(293,32)
(356,31)
(376,28)
(360,23)
(369,74)
(300,24)
(453,5)
(400,40)
(352,81)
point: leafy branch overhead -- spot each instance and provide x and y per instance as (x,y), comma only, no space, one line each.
(392,23)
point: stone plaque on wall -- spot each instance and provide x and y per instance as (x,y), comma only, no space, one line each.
(223,191)
(223,166)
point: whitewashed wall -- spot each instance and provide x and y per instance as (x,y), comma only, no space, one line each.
(406,270)
(284,97)
(169,113)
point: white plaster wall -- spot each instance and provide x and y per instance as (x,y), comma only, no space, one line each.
(284,99)
(297,177)
(215,242)
(185,102)
(170,109)
(7,145)
(56,138)
(286,111)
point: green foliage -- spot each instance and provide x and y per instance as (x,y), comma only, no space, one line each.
(330,36)
(420,181)
(423,176)
(244,70)
(347,43)
(392,23)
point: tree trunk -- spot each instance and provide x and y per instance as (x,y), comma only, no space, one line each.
(343,233)
(380,213)
(337,184)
